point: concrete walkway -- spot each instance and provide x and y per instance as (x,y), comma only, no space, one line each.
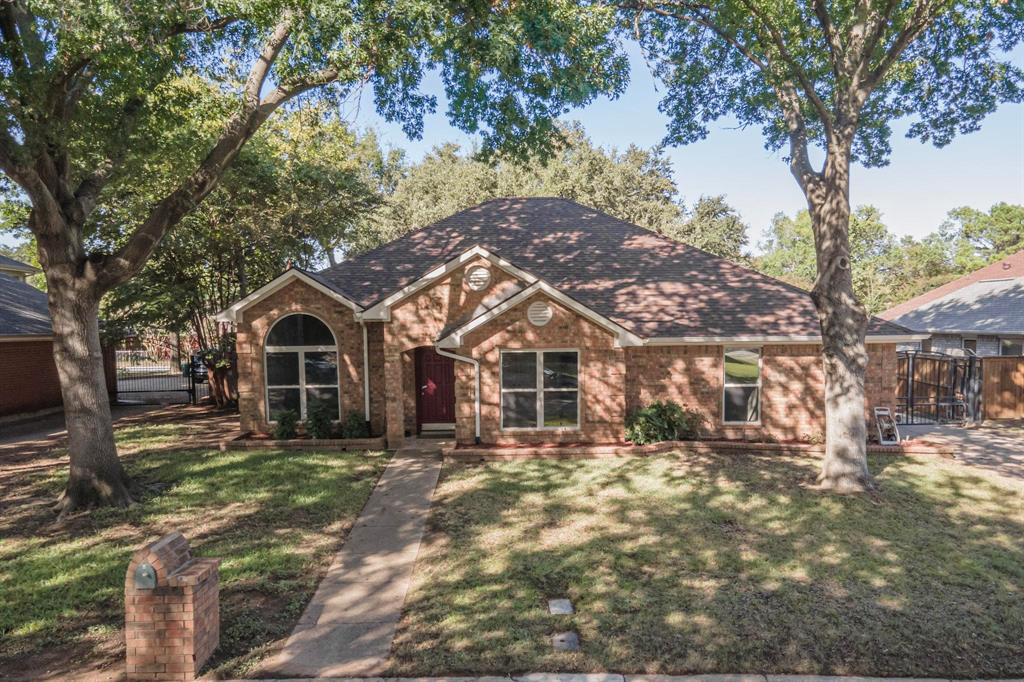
(348,626)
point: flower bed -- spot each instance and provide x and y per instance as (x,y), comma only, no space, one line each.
(593,451)
(251,441)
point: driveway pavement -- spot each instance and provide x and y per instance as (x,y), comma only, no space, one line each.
(40,443)
(994,448)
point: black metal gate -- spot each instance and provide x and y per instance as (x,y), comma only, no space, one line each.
(934,388)
(160,373)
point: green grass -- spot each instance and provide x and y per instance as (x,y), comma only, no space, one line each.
(705,564)
(274,517)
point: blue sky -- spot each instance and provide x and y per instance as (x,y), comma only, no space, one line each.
(914,192)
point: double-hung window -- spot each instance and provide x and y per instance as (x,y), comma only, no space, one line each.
(301,358)
(540,389)
(741,392)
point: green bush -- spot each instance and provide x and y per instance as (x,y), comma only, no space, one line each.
(318,422)
(354,426)
(661,421)
(287,420)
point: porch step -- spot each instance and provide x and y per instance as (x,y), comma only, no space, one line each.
(437,434)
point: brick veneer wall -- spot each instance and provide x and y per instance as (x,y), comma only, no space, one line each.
(29,366)
(172,629)
(252,330)
(880,380)
(418,321)
(601,382)
(614,381)
(792,386)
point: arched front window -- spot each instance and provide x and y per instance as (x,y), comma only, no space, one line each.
(301,360)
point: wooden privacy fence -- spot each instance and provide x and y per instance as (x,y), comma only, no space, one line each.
(1002,387)
(934,388)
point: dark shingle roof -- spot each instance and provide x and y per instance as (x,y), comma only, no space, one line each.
(651,285)
(986,307)
(16,265)
(23,309)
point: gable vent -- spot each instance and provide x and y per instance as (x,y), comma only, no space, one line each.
(539,313)
(478,278)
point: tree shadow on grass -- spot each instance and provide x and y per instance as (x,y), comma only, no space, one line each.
(274,517)
(709,563)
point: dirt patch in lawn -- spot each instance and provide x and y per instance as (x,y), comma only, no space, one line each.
(718,564)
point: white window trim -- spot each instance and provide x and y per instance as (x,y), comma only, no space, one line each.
(539,389)
(760,392)
(302,385)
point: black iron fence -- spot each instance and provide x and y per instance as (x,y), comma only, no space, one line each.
(934,388)
(160,374)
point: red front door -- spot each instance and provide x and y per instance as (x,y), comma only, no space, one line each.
(435,388)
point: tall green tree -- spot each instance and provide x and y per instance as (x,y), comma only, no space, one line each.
(82,95)
(635,185)
(292,196)
(788,254)
(714,226)
(984,237)
(832,74)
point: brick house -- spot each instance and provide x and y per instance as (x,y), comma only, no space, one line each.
(537,321)
(981,313)
(28,373)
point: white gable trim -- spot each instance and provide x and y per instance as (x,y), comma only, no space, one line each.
(623,337)
(234,312)
(382,309)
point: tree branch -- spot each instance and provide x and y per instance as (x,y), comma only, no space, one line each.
(785,93)
(43,200)
(261,67)
(130,259)
(702,21)
(13,45)
(798,71)
(88,190)
(835,46)
(921,19)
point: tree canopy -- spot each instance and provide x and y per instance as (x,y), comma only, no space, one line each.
(635,185)
(294,193)
(801,68)
(888,270)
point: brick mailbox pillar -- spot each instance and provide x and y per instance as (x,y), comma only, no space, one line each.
(172,611)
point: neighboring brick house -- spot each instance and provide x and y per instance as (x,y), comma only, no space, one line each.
(540,320)
(981,313)
(28,373)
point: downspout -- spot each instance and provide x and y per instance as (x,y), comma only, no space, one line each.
(476,388)
(366,375)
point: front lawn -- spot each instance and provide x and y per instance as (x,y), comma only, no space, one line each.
(729,563)
(274,517)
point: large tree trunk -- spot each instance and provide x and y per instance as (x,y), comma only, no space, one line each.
(843,326)
(96,477)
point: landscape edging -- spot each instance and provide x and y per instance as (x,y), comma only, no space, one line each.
(245,441)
